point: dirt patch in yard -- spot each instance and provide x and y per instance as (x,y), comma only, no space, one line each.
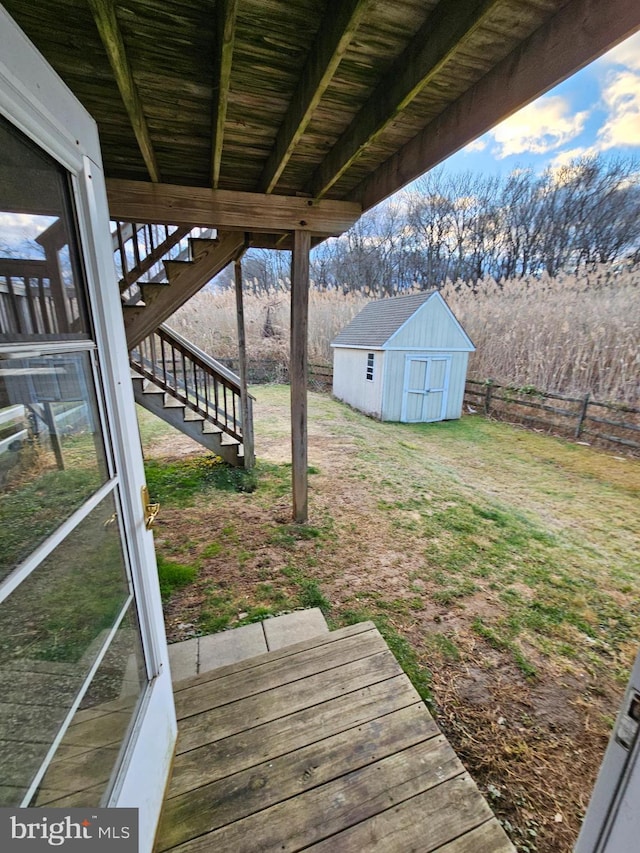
(507,572)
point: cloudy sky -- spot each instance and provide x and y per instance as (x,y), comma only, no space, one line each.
(596,110)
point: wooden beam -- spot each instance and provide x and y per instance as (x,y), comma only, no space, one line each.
(334,37)
(298,373)
(185,280)
(138,201)
(104,14)
(245,402)
(226,11)
(578,34)
(442,35)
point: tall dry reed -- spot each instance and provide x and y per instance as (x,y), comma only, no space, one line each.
(569,334)
(209,320)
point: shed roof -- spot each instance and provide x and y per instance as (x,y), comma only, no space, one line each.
(381,319)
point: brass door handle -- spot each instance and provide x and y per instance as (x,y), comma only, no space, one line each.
(149,509)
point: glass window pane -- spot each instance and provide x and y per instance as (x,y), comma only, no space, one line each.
(52,629)
(82,767)
(52,457)
(41,285)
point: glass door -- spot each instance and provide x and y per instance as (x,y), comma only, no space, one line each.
(86,710)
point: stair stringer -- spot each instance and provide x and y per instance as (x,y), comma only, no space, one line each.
(185,279)
(155,400)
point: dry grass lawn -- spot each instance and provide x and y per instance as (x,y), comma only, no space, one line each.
(500,564)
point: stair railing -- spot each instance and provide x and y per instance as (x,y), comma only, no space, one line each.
(192,377)
(140,249)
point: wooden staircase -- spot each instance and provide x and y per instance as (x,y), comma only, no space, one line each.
(191,391)
(161,267)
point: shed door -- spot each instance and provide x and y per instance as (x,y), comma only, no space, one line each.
(82,718)
(426,385)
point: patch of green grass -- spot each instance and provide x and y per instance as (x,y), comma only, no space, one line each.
(174,575)
(443,645)
(213,549)
(211,622)
(502,643)
(449,594)
(311,595)
(177,483)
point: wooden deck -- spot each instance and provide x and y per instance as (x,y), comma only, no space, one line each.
(324,745)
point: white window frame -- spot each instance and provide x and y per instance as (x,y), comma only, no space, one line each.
(38,103)
(371,361)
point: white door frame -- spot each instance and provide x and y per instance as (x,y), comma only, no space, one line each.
(612,822)
(408,359)
(38,103)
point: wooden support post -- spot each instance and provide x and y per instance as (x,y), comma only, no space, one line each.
(245,402)
(487,397)
(298,371)
(582,415)
(54,435)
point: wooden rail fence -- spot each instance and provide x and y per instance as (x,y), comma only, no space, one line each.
(609,424)
(578,417)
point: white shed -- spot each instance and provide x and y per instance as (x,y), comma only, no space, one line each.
(403,359)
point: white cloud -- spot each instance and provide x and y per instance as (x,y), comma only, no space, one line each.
(476,145)
(539,128)
(565,158)
(621,98)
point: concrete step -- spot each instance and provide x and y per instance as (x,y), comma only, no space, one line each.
(202,654)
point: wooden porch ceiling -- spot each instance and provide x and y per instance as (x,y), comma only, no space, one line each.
(346,101)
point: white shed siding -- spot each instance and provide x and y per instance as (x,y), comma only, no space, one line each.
(431,326)
(394,382)
(350,383)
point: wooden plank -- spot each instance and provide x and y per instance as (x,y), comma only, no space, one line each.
(279,654)
(331,808)
(285,734)
(235,797)
(246,713)
(334,36)
(490,837)
(225,12)
(298,373)
(580,32)
(445,813)
(141,321)
(211,694)
(170,204)
(105,17)
(442,35)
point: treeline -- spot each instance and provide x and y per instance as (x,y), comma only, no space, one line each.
(469,227)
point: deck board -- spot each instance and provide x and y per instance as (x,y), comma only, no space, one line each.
(324,745)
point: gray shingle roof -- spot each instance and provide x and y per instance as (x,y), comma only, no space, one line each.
(377,321)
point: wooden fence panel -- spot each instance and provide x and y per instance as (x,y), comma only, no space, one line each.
(578,417)
(612,425)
